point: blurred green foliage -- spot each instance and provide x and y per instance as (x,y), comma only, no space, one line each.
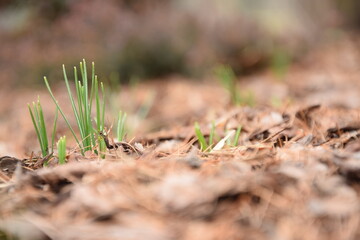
(229,80)
(280,62)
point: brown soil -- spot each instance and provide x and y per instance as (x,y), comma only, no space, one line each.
(294,174)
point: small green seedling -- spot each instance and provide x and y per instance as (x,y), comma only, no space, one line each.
(61,145)
(204,145)
(37,117)
(233,141)
(121,126)
(54,130)
(236,137)
(200,136)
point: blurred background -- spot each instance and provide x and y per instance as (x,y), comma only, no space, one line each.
(277,49)
(146,39)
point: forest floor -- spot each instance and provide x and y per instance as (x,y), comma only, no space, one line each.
(294,173)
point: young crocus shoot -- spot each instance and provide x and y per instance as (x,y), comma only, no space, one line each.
(82,107)
(228,140)
(61,145)
(236,137)
(37,118)
(54,130)
(233,141)
(121,126)
(200,136)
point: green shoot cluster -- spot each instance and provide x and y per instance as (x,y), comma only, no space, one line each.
(88,101)
(207,146)
(82,107)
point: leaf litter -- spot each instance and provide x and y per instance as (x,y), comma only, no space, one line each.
(294,174)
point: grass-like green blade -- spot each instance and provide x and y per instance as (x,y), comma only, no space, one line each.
(62,150)
(103,105)
(62,113)
(97,101)
(42,128)
(54,130)
(80,108)
(92,84)
(79,101)
(75,110)
(36,126)
(203,145)
(85,103)
(237,135)
(102,147)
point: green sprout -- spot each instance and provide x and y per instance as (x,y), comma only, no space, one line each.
(37,117)
(233,141)
(54,131)
(227,140)
(236,137)
(228,80)
(82,107)
(204,145)
(121,126)
(61,145)
(201,138)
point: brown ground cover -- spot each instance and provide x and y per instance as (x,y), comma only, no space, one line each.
(294,174)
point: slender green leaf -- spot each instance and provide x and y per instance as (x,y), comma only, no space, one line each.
(43,128)
(103,106)
(92,84)
(75,110)
(237,135)
(102,147)
(62,150)
(54,130)
(62,113)
(97,101)
(203,145)
(37,131)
